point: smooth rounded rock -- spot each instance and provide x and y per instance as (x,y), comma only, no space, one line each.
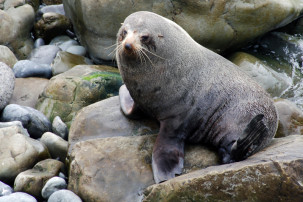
(5,189)
(57,146)
(44,54)
(52,185)
(27,68)
(7,84)
(18,197)
(33,120)
(60,128)
(57,41)
(7,56)
(64,196)
(51,8)
(66,44)
(77,50)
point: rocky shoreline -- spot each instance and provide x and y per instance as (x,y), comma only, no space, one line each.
(64,137)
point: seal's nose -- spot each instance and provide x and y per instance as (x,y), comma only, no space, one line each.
(128,46)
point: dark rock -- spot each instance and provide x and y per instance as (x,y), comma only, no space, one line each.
(51,25)
(33,120)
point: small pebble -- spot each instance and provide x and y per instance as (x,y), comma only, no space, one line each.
(64,196)
(5,189)
(60,128)
(52,185)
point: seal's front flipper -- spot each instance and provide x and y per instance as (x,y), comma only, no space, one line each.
(251,140)
(168,157)
(127,104)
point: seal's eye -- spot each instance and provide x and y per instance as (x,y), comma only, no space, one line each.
(145,38)
(124,32)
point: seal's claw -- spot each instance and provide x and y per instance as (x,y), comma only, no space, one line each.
(127,104)
(167,162)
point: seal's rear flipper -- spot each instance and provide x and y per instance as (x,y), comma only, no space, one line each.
(127,104)
(253,136)
(168,157)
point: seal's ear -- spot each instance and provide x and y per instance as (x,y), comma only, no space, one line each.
(122,23)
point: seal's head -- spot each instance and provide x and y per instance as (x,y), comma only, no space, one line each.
(136,39)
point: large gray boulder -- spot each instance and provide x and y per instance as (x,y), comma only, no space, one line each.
(218,25)
(120,167)
(105,119)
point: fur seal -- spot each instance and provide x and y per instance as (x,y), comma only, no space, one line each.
(197,95)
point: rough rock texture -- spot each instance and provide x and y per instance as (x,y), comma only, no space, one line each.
(105,119)
(32,181)
(274,174)
(27,91)
(290,118)
(83,85)
(15,126)
(7,84)
(218,25)
(120,167)
(18,153)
